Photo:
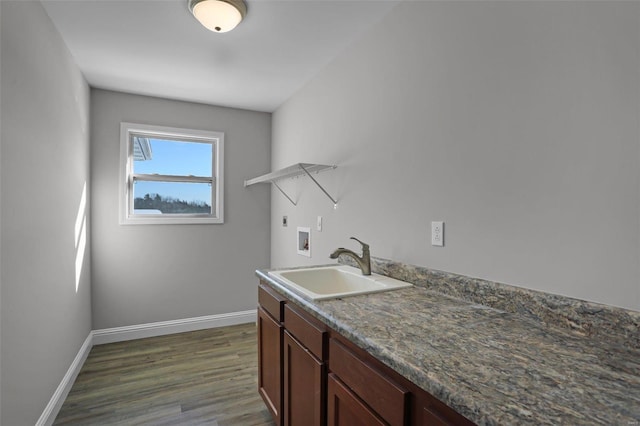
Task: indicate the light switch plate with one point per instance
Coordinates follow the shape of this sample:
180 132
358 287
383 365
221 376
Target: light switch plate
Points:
437 234
319 224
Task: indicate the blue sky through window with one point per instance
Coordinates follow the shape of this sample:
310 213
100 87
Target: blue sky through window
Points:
181 158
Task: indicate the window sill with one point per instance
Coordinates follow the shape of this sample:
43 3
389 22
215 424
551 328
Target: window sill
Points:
171 221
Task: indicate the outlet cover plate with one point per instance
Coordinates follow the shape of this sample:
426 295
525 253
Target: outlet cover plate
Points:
437 234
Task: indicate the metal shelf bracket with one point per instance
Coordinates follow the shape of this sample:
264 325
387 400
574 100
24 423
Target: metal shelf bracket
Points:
300 169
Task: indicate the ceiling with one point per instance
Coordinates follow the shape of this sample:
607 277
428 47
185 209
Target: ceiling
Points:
157 48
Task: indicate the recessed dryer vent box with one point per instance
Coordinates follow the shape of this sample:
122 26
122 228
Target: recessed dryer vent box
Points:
303 242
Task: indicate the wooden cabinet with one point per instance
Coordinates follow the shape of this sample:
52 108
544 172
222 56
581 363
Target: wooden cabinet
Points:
344 408
292 348
303 385
304 370
431 417
311 375
270 340
432 412
385 397
377 392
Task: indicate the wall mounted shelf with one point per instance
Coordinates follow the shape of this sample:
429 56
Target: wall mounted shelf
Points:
300 169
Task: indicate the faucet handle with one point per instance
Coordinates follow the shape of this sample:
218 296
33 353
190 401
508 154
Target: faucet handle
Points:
365 246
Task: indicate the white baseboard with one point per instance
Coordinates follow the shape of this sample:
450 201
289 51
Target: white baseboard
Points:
140 331
55 403
121 334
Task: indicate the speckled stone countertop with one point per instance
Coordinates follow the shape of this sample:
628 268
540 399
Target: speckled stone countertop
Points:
520 365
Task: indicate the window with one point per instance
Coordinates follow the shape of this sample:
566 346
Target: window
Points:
170 176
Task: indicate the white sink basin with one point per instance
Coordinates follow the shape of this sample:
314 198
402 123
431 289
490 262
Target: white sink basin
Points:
330 282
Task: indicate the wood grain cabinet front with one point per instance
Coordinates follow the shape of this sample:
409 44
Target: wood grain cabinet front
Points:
272 302
385 397
344 408
303 385
270 338
432 412
304 370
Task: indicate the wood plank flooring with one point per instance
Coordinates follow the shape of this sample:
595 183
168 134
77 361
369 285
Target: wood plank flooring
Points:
206 377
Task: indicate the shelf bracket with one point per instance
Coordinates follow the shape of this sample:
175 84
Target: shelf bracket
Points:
335 203
299 169
284 193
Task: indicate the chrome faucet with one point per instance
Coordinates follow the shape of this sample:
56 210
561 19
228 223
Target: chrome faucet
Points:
363 262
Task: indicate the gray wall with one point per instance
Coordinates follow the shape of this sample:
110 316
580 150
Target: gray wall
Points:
516 123
45 164
150 273
0 222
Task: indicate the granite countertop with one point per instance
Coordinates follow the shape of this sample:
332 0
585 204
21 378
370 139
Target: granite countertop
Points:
492 366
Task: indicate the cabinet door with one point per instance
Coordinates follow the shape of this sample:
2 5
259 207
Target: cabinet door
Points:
303 385
386 397
344 408
433 418
270 334
436 413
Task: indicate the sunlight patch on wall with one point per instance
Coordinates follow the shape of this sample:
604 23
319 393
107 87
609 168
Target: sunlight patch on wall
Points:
81 234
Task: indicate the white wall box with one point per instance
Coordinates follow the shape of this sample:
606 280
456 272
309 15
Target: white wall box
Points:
303 241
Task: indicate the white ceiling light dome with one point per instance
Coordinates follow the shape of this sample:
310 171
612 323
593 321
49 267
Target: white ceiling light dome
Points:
218 16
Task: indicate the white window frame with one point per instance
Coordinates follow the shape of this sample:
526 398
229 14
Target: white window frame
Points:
127 178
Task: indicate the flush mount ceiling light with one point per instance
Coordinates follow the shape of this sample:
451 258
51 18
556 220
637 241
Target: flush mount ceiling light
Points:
218 16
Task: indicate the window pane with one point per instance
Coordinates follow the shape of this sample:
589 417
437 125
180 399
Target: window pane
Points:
171 175
171 198
170 157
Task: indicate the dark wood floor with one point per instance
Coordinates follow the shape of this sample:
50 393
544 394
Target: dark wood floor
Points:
206 377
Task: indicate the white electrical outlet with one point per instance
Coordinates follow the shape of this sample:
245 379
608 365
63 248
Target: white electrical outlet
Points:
319 223
437 234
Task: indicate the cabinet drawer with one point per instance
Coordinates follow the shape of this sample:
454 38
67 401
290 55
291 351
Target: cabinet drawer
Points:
311 335
346 409
272 302
386 398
